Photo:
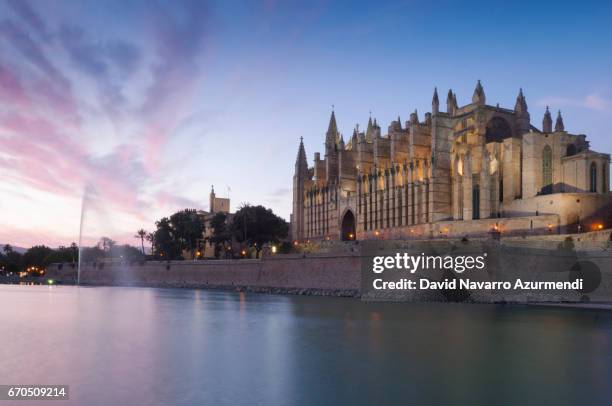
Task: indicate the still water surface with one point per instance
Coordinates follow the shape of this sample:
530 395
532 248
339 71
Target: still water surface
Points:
120 346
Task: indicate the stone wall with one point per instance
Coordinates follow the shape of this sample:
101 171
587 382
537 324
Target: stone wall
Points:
323 274
529 225
591 209
338 271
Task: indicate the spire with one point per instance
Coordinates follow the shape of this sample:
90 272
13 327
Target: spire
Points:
559 123
376 129
451 102
395 126
520 106
341 144
523 119
369 130
301 165
414 117
211 199
333 127
547 122
479 96
435 102
332 136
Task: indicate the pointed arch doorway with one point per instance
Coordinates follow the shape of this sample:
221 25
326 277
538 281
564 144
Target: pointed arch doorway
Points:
348 226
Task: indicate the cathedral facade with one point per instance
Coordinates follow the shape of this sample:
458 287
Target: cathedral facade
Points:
464 171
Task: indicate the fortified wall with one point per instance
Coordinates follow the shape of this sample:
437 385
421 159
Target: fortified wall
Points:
335 274
335 268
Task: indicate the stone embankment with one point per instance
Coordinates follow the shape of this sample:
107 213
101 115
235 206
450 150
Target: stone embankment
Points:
309 274
338 269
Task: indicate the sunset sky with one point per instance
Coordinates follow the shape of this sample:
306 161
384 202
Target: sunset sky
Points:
146 104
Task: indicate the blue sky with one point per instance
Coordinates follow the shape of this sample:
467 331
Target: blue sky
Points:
149 103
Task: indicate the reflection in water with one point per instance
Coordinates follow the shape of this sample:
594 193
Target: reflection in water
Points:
166 346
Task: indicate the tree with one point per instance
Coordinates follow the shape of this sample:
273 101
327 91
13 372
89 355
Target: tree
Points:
142 234
162 240
221 233
92 254
126 253
74 251
187 228
108 249
256 225
37 256
106 244
63 254
11 260
181 231
151 239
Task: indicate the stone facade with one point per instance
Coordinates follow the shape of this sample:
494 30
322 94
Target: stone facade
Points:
463 165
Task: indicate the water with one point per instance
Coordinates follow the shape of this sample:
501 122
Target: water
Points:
189 347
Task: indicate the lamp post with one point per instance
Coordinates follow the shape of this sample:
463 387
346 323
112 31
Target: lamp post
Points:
579 212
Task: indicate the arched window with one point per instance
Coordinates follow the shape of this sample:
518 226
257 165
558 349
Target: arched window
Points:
497 130
593 184
546 170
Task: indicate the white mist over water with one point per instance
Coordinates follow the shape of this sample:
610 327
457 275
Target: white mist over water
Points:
95 223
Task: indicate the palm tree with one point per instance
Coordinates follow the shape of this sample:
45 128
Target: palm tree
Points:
106 244
142 234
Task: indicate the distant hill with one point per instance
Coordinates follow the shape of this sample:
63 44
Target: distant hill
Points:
20 250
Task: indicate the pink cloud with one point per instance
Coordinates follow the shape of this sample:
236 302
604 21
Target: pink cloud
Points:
11 89
26 238
45 142
179 45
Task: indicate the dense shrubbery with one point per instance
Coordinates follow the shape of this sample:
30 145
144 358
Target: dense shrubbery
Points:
181 231
39 257
250 227
255 226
